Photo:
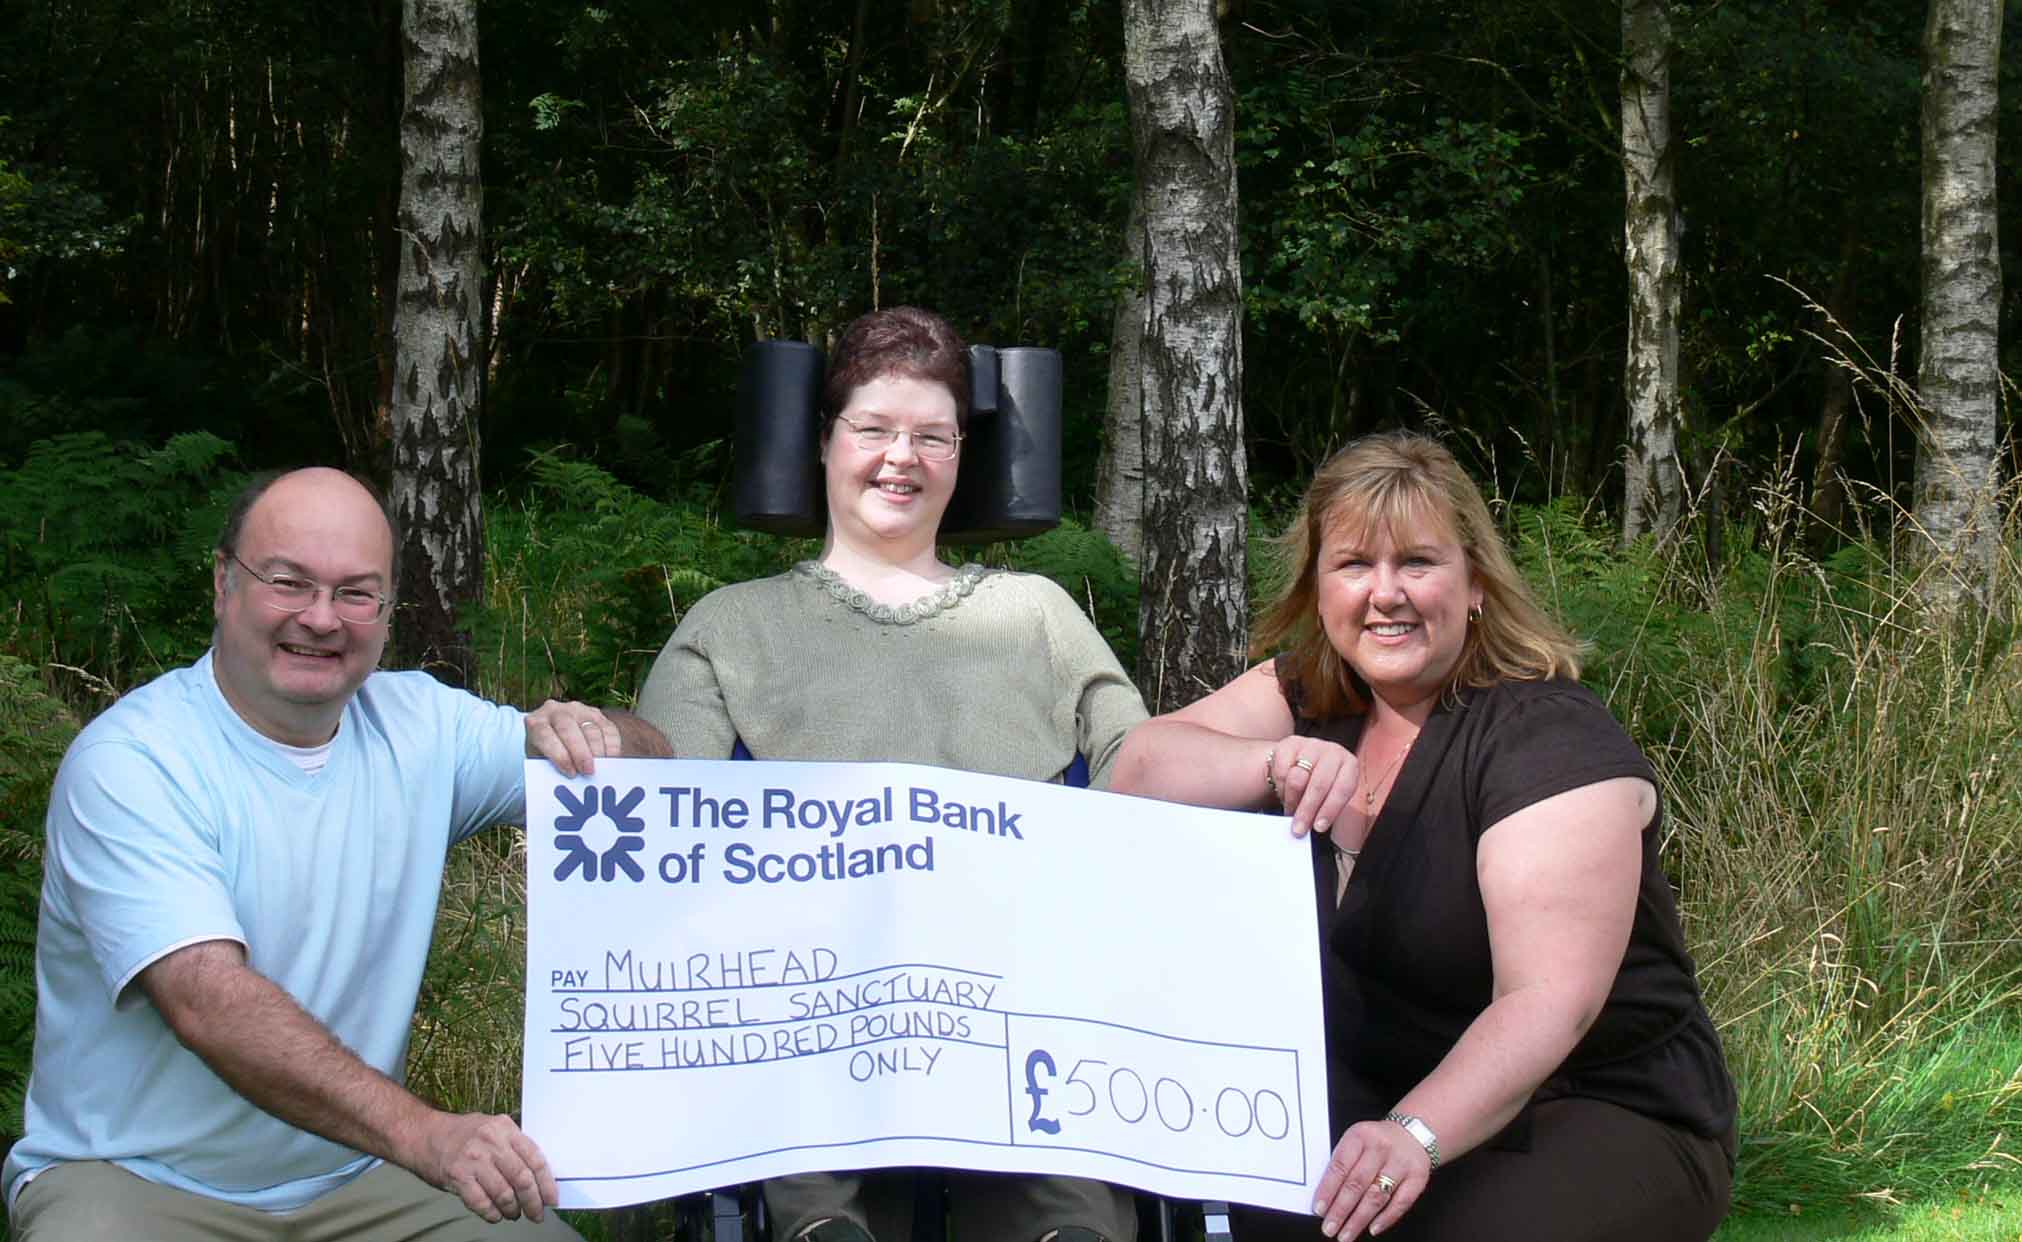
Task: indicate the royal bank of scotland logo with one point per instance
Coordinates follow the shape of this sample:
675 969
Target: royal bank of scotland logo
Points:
579 847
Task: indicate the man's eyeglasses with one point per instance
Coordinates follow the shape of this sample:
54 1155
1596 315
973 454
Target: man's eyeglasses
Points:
288 592
876 438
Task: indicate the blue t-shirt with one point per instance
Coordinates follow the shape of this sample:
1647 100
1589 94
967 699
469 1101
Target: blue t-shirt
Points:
172 822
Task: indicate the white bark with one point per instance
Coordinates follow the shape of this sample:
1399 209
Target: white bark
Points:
1194 609
436 334
1653 497
1957 369
1119 474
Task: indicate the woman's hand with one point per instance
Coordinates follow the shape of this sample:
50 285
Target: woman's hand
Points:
1313 780
1377 1172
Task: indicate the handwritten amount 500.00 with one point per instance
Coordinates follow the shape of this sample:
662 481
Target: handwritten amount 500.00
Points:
1168 1101
1086 1088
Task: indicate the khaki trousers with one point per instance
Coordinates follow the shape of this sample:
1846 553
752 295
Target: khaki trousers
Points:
93 1199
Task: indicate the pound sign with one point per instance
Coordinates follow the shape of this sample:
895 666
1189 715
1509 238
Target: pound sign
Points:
1038 1093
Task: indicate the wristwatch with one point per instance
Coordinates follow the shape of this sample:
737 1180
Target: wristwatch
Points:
1417 1129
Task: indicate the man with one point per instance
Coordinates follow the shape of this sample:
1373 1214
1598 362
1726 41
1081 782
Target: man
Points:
243 863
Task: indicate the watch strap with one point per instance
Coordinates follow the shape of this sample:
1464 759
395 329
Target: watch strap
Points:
1422 1133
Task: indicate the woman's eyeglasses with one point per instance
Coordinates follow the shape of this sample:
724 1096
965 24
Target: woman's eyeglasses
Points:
876 438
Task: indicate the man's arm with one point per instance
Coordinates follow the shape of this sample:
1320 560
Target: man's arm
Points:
274 1053
573 735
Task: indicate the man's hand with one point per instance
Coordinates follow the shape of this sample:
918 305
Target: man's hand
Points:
486 1161
277 1055
571 736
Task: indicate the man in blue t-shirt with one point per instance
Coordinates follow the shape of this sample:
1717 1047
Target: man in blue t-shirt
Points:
243 863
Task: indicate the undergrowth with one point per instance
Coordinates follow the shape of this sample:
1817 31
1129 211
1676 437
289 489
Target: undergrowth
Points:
1843 803
34 730
1838 764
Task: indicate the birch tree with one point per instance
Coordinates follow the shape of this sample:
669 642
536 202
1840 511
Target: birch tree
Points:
1957 367
1194 597
1119 473
437 362
1654 491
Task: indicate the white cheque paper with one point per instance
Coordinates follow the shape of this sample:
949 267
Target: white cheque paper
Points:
740 970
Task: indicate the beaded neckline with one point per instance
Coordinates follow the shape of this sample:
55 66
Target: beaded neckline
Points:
931 604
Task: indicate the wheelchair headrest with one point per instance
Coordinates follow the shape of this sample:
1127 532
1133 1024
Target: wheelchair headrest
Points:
1009 482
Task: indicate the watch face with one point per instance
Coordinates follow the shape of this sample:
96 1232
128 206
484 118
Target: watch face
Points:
1418 1130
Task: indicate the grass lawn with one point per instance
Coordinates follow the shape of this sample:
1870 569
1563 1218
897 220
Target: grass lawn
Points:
1991 1215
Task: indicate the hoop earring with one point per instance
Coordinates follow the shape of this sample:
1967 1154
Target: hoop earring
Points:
1474 615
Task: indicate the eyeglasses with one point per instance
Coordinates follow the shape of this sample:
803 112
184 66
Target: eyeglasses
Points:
287 592
876 438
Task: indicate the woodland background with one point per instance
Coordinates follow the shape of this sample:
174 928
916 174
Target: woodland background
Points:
199 248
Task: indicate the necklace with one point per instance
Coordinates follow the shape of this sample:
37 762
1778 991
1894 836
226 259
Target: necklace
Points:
1370 794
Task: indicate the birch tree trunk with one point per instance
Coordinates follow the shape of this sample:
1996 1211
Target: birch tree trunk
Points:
1654 492
1957 375
1119 473
1193 614
437 358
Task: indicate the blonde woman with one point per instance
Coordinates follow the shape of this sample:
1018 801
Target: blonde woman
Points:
1515 1034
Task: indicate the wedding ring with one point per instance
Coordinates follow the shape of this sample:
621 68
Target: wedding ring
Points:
1384 1184
1303 763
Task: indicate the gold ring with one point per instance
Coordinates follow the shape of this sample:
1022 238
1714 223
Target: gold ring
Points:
1303 763
1385 1183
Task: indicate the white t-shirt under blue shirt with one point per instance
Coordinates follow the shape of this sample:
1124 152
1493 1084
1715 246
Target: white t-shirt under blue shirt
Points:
172 822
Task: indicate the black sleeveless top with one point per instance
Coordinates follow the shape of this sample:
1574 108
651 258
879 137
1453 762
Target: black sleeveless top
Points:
1405 958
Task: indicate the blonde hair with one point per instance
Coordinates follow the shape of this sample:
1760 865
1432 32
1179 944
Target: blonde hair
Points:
1401 482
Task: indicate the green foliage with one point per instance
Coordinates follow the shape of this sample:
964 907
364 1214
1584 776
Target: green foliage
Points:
131 386
35 729
588 577
13 193
104 548
1370 207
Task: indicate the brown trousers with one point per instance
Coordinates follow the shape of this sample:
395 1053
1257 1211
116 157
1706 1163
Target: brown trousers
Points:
1594 1172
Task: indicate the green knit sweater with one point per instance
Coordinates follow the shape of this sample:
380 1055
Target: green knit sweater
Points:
996 672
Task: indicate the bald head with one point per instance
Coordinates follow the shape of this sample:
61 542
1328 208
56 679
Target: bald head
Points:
296 496
289 653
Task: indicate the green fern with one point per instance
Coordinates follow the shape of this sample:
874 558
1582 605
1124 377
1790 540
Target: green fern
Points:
35 729
588 577
103 551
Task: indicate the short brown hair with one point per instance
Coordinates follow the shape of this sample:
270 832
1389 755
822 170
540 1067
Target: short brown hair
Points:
1401 481
902 341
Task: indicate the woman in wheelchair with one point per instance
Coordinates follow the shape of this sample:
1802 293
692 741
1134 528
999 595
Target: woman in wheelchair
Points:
880 650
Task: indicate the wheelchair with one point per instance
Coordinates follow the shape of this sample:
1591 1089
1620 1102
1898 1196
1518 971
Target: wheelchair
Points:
1008 488
737 1214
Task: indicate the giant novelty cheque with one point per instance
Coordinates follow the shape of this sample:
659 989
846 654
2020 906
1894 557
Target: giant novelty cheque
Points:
740 970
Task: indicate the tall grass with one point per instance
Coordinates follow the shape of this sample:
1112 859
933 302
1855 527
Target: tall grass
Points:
1840 768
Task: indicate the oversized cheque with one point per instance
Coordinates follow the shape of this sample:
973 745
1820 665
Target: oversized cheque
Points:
738 970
